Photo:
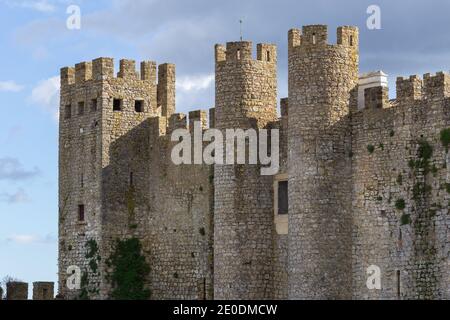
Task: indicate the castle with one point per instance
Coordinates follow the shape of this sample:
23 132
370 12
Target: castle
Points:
363 179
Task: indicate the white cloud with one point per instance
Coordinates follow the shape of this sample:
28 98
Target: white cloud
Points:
20 196
10 86
31 239
12 169
195 83
38 5
46 95
194 92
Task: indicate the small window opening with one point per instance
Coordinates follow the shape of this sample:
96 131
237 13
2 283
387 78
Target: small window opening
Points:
131 179
68 112
314 38
44 292
283 206
139 106
80 108
238 54
268 56
117 105
94 105
399 293
81 212
351 41
82 180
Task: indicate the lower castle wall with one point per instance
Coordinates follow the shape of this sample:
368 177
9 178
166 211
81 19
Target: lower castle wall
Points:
413 257
167 207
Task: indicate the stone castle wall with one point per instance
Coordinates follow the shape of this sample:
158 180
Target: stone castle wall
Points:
212 231
409 245
117 164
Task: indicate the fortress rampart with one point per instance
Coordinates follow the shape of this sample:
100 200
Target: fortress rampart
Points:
363 179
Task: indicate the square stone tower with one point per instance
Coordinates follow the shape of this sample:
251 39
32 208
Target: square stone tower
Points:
97 110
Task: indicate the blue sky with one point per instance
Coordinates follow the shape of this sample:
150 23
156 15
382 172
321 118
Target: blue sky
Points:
35 44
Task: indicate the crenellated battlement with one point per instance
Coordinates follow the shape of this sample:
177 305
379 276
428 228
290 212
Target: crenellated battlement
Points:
414 88
436 86
127 69
409 89
162 126
103 69
317 36
177 121
83 72
198 116
243 51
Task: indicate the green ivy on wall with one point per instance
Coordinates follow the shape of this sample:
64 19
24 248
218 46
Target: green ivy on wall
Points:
129 271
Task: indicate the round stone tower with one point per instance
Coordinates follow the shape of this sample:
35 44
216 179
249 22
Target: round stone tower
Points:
246 98
322 82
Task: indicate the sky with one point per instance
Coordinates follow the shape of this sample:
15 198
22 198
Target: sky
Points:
35 43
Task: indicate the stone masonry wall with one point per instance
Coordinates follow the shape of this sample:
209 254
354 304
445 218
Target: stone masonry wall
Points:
409 245
368 187
43 290
128 184
322 81
243 211
80 142
16 291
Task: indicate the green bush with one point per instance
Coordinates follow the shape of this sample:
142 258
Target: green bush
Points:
447 187
400 204
425 150
445 138
370 148
129 271
405 219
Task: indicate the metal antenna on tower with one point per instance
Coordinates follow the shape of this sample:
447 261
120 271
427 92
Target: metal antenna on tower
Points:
240 27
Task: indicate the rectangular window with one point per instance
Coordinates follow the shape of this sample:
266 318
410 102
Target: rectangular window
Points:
94 105
81 212
283 197
80 108
399 293
117 105
68 111
131 179
139 106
